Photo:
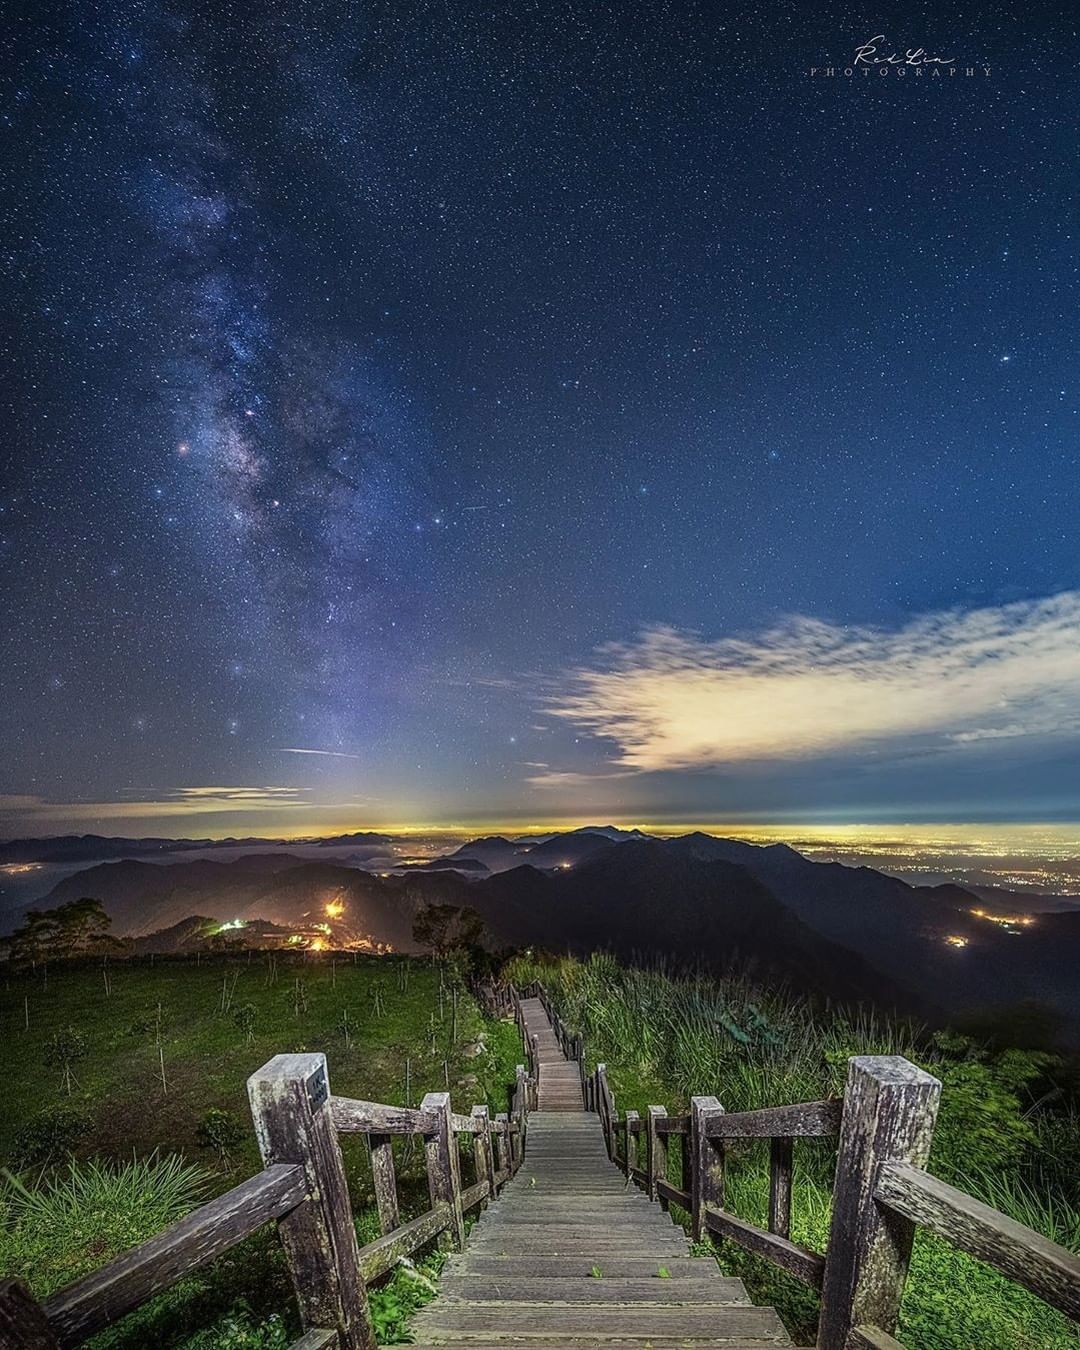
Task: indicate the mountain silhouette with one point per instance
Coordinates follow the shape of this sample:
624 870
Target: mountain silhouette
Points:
848 932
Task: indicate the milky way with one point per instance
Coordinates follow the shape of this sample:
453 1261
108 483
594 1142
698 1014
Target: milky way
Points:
377 364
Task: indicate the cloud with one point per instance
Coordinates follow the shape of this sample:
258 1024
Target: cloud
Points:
184 801
563 778
334 754
224 798
807 689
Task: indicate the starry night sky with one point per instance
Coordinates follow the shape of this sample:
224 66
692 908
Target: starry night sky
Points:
375 365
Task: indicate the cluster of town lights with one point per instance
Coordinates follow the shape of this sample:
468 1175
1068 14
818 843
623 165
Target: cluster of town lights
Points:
1005 920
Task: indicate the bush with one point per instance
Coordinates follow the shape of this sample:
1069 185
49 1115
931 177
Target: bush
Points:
81 1219
221 1131
49 1135
63 1050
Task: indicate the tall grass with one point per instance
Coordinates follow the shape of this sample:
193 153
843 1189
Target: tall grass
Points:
89 1213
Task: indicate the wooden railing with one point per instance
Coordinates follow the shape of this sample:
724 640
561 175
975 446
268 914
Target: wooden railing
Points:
303 1188
884 1125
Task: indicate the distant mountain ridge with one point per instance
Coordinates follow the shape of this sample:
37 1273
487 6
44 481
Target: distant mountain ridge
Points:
848 932
98 847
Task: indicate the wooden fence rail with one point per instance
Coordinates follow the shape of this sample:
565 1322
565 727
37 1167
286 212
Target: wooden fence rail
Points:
883 1125
303 1188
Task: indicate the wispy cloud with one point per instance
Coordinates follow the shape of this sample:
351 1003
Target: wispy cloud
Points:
333 754
805 688
183 801
225 797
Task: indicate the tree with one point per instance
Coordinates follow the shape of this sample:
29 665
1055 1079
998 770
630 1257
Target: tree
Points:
78 928
221 1131
443 929
244 1017
64 1049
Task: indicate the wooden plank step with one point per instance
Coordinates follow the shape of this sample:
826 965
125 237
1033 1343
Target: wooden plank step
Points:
533 1207
603 1210
641 1234
521 1225
595 1253
531 1321
629 1343
532 1239
548 1266
606 1290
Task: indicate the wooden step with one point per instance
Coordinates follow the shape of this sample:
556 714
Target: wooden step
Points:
443 1320
599 1343
603 1291
618 1265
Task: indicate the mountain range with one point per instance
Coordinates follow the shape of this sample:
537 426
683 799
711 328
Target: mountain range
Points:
95 847
844 932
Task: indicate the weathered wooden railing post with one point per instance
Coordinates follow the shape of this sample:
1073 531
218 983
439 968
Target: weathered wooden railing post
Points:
534 1063
706 1163
384 1180
502 1147
519 1106
890 1107
655 1150
485 1163
632 1118
444 1175
603 1105
289 1098
780 1155
23 1324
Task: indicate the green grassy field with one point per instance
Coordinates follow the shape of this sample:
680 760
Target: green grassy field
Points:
166 1043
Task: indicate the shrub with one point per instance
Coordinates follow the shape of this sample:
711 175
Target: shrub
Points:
50 1134
63 1050
221 1131
244 1017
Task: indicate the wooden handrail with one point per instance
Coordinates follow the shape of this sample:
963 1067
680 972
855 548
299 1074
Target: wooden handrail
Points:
356 1117
871 1338
807 1120
83 1308
377 1257
318 1338
807 1265
1047 1269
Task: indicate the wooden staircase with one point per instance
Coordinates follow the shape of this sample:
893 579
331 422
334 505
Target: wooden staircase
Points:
570 1256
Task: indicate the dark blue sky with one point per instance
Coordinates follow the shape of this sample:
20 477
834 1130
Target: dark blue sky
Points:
375 365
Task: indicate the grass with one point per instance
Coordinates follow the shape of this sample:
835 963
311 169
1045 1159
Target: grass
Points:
56 1232
160 1073
1005 1133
